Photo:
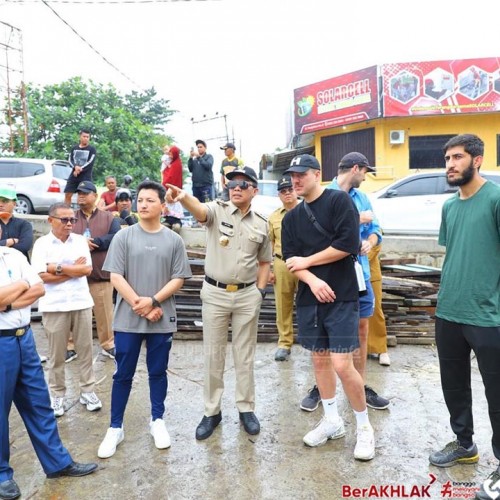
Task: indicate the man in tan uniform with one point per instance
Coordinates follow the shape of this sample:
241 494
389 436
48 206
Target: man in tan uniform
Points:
237 266
285 283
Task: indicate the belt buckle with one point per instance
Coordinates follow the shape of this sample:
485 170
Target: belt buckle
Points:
20 332
231 288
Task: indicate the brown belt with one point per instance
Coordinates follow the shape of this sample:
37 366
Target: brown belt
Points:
14 332
228 288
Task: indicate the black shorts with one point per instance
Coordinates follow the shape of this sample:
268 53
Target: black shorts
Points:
329 327
72 181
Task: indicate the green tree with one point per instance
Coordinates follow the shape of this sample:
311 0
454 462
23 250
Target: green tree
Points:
126 129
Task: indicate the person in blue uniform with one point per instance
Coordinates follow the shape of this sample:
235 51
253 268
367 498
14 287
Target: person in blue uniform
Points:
21 377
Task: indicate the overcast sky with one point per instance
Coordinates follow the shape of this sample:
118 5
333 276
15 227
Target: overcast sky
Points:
242 58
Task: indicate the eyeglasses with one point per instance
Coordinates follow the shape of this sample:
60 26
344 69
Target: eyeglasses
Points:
65 220
241 184
286 190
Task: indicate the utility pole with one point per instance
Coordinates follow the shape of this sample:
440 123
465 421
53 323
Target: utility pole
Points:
205 119
13 121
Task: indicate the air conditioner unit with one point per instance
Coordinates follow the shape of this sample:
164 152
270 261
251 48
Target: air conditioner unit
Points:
397 137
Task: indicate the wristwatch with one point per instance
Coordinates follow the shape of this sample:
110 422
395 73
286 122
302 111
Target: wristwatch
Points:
262 292
59 269
8 308
155 303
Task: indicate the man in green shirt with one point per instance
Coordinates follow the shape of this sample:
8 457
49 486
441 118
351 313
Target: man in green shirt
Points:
468 308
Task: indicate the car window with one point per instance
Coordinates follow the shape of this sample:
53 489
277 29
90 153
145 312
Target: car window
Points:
30 169
7 169
268 188
493 178
61 170
418 187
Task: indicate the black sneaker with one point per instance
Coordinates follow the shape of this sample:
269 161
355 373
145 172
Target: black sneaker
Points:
453 454
311 401
373 400
70 356
491 487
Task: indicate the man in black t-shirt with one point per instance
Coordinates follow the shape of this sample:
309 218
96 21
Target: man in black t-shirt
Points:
81 159
319 238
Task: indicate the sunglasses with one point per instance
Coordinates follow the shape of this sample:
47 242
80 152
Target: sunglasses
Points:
65 220
241 184
286 190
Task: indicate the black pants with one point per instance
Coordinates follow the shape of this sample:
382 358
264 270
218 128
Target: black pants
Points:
454 343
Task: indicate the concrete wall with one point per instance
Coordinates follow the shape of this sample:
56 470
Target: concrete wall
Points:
424 249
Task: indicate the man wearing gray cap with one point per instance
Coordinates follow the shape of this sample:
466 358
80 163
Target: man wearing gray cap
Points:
320 241
237 263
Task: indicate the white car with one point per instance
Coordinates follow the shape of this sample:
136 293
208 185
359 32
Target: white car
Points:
267 199
412 205
38 183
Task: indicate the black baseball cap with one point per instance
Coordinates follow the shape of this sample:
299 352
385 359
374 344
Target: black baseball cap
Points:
354 158
248 172
229 145
199 141
86 187
284 182
302 163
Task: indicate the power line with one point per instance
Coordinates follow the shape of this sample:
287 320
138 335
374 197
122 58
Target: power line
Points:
105 59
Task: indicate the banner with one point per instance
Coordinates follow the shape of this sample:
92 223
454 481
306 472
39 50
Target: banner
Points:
338 101
441 87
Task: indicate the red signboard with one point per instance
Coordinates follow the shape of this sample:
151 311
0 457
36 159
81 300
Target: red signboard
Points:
338 101
441 87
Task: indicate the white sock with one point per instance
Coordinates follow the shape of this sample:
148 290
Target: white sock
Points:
330 408
361 418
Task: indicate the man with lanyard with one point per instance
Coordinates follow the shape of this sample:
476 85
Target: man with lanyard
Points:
237 266
352 171
21 377
81 159
319 238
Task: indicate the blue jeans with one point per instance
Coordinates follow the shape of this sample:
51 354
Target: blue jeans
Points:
22 382
203 193
128 348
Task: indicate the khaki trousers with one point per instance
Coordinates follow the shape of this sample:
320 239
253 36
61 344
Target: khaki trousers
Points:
285 286
102 293
58 326
377 330
241 310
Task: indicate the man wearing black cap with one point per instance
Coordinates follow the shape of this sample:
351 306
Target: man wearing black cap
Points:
285 283
237 266
229 163
351 173
99 227
200 165
320 237
123 211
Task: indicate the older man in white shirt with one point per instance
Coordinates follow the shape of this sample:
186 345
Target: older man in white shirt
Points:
62 259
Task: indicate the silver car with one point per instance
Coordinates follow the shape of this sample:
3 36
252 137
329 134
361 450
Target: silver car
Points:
38 183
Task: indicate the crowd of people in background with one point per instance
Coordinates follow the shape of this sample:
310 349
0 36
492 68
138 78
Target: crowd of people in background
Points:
118 258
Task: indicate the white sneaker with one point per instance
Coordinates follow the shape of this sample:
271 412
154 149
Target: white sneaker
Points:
324 430
365 443
384 359
91 401
57 405
160 434
114 436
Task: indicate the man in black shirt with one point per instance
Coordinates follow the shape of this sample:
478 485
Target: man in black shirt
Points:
81 158
200 165
319 238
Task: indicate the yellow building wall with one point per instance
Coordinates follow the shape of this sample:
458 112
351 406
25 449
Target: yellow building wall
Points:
392 160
